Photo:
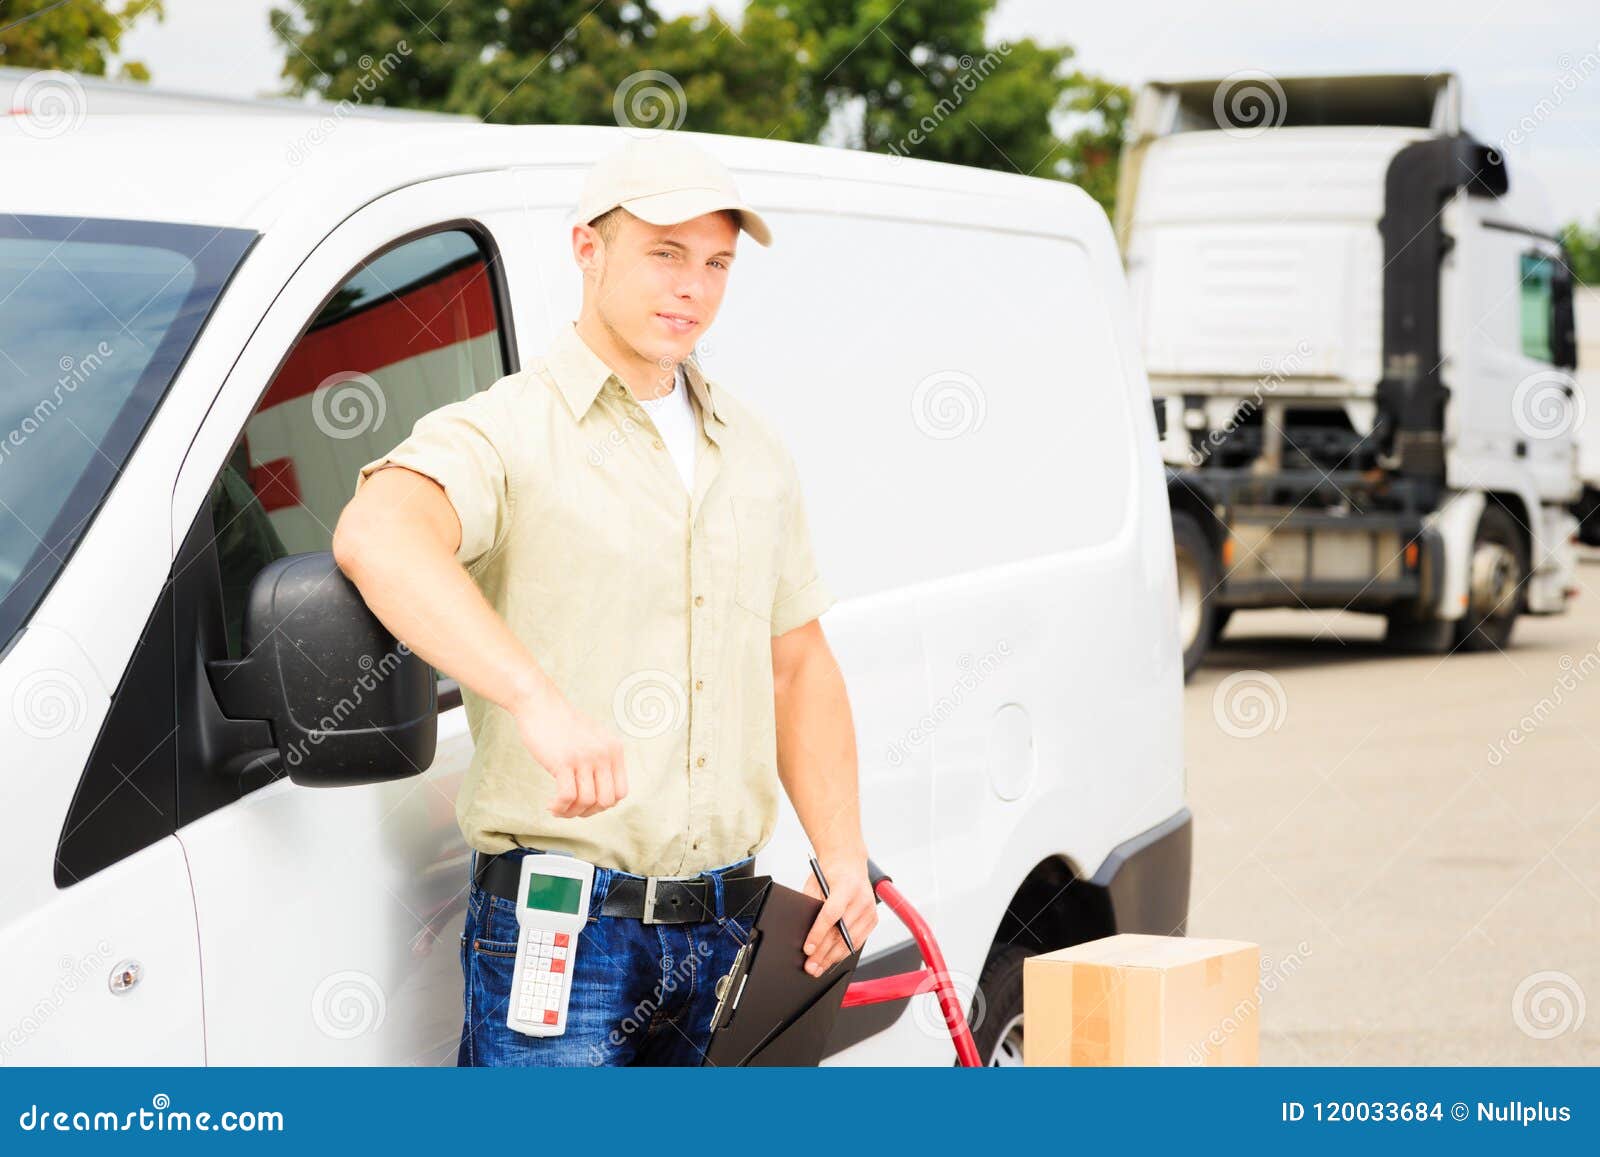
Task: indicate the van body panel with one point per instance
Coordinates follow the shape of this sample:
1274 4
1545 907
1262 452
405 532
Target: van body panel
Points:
981 474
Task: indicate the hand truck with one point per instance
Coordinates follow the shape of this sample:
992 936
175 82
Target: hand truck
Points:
932 977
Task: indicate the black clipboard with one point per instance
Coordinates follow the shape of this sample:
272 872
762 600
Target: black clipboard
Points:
774 1012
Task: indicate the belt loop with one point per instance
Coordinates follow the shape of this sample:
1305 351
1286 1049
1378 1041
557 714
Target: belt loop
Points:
716 888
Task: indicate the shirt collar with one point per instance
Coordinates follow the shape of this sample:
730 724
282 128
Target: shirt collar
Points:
581 374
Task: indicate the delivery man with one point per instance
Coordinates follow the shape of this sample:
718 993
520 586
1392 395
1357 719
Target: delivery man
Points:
609 551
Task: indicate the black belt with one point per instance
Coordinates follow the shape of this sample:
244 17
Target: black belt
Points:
652 899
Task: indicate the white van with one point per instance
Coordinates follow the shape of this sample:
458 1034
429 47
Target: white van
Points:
210 323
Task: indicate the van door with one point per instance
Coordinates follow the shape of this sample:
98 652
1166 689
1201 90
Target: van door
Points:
97 926
330 919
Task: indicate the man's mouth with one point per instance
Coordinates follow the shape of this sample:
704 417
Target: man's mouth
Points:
677 322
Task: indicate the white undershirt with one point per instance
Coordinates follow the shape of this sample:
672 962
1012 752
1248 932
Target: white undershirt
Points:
673 415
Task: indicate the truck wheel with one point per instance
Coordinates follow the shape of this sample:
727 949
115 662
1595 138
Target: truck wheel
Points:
999 1036
1495 583
1198 574
1587 510
1419 636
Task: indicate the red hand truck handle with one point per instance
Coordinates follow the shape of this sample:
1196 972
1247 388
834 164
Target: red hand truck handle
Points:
934 976
876 875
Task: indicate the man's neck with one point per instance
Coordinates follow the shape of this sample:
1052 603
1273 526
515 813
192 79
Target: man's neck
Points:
644 378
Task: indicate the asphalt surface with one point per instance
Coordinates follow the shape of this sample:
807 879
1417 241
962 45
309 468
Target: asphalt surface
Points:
1414 841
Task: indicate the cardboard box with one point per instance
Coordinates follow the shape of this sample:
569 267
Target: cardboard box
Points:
1143 1000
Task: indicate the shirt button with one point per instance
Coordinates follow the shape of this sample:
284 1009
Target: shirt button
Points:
699 683
698 599
658 444
701 762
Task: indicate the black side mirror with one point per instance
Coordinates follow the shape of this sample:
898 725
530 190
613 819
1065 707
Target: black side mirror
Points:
1563 327
346 702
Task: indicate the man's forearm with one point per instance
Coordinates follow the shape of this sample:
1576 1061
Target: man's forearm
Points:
817 755
425 597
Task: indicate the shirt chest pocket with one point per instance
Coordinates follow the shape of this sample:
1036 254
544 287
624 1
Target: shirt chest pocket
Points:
757 522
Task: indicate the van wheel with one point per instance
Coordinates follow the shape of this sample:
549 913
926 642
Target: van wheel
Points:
1198 573
1495 583
999 1036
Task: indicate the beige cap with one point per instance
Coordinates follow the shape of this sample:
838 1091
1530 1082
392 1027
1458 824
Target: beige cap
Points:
663 179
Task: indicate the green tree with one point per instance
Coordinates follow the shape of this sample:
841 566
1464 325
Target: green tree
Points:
81 36
911 77
548 62
917 78
1584 247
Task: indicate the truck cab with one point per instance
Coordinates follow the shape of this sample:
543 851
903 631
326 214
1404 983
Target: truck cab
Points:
1357 323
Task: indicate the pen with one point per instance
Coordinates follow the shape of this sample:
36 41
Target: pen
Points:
816 870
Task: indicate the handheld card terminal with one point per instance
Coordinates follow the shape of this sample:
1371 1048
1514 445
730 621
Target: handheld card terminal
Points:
552 908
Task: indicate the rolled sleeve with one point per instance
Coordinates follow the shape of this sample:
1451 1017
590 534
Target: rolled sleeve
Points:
801 594
457 445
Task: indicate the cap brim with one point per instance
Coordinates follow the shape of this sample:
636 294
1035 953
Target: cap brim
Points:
686 204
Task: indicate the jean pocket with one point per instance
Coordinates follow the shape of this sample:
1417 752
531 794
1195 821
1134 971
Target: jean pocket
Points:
755 525
498 931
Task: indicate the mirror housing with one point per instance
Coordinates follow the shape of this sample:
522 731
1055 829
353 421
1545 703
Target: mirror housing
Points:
347 703
1563 330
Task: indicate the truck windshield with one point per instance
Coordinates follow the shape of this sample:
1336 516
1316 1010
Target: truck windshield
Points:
96 317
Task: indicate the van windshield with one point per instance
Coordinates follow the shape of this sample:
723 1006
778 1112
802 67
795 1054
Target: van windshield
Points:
96 317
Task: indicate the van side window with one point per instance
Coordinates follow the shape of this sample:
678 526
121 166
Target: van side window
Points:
1538 298
414 328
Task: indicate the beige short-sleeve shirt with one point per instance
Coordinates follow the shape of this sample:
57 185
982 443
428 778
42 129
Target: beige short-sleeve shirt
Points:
652 609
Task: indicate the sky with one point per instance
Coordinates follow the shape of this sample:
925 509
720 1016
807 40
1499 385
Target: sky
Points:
1530 69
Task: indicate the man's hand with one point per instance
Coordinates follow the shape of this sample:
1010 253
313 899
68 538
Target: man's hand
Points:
585 760
850 897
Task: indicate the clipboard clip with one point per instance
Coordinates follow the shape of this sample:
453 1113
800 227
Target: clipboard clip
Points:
732 984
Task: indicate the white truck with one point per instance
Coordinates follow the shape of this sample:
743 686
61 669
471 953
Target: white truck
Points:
229 834
1357 326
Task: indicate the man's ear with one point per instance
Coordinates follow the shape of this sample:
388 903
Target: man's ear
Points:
588 249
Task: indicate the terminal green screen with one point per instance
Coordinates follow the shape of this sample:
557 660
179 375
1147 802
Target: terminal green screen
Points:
554 893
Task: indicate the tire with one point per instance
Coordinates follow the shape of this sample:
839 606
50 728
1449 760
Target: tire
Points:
1496 584
1198 574
998 1026
1419 636
1587 511
1220 623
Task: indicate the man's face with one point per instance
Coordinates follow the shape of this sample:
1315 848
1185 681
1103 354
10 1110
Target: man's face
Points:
661 285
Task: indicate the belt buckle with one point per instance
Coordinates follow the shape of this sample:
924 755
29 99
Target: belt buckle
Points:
646 917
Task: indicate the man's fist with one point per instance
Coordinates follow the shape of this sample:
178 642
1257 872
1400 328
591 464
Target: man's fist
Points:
584 759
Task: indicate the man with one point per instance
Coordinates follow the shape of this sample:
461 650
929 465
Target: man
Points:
610 553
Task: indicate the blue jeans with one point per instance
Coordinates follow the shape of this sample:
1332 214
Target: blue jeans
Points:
642 994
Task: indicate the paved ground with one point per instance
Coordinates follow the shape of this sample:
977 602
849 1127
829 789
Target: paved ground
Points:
1424 888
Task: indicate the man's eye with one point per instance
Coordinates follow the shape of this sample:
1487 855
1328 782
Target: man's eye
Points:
718 264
